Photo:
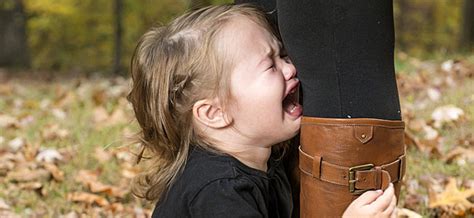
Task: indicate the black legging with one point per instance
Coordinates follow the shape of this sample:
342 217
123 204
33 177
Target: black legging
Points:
343 52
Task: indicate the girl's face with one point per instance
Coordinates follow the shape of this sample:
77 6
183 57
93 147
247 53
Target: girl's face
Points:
265 110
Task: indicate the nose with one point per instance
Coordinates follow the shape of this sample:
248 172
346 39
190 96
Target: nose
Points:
288 69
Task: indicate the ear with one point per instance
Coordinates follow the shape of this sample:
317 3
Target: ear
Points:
209 113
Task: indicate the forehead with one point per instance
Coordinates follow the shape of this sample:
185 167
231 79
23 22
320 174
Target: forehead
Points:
242 36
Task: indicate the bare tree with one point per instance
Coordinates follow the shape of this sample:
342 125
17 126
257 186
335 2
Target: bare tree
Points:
13 44
118 12
467 28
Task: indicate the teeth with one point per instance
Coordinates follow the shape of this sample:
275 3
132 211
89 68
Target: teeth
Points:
293 108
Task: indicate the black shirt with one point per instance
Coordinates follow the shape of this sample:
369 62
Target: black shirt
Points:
215 185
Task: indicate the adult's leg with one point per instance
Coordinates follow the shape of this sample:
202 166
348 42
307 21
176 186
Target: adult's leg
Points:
343 51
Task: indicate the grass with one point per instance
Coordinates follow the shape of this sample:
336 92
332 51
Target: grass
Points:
28 98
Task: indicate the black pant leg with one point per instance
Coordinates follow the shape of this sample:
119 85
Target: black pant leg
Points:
343 51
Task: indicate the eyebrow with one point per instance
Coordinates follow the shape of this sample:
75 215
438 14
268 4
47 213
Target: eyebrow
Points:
271 52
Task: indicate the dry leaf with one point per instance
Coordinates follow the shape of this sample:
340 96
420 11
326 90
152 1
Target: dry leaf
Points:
30 185
71 214
30 151
452 200
117 117
27 175
16 144
446 114
100 115
58 175
52 131
447 66
129 171
430 133
98 187
65 98
406 213
116 207
49 155
87 198
433 94
102 155
6 89
4 205
84 176
461 155
9 214
7 121
99 96
58 113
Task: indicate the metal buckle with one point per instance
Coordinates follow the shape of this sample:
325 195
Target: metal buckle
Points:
353 180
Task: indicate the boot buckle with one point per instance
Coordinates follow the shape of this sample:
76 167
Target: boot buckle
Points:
353 180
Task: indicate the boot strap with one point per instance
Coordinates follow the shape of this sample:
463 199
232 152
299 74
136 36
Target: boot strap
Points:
359 178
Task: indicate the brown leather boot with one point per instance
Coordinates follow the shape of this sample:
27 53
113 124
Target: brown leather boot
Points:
341 158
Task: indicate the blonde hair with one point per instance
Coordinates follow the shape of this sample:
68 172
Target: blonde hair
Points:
172 67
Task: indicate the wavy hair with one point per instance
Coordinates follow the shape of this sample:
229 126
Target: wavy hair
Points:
174 66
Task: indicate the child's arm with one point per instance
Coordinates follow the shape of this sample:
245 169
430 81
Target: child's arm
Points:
373 204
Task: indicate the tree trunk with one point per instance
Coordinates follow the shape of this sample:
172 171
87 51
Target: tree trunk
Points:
199 3
118 10
13 45
467 28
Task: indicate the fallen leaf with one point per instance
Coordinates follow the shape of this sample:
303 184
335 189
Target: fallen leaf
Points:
53 131
446 114
98 187
406 213
58 113
57 174
452 200
4 205
433 94
8 214
7 121
87 198
16 144
90 180
99 96
116 207
49 155
430 133
100 114
102 155
6 89
30 185
71 214
117 117
461 155
84 176
30 151
65 98
447 66
27 175
129 171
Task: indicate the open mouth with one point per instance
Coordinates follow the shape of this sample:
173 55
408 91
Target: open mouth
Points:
290 103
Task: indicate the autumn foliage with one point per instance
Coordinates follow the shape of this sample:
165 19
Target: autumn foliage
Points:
64 148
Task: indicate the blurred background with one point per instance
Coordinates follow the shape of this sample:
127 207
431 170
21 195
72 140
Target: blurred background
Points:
100 35
66 126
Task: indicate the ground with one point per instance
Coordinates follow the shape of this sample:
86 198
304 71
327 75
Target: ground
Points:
67 149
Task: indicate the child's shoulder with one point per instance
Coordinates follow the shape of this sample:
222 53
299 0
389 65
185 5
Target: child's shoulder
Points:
209 179
206 169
